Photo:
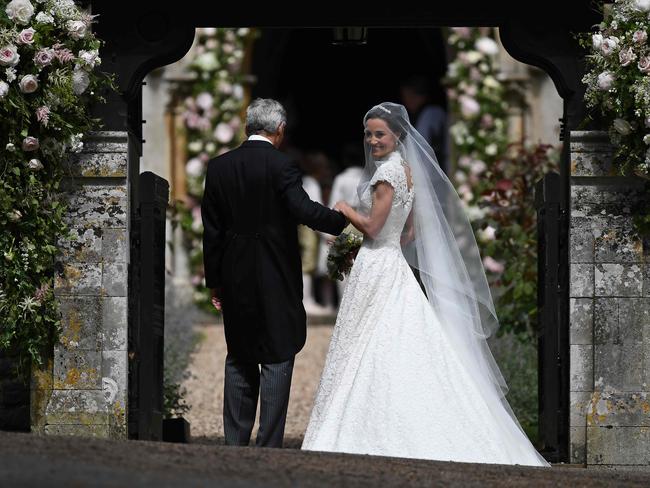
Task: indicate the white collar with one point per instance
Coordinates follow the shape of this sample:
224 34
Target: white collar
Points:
257 137
393 157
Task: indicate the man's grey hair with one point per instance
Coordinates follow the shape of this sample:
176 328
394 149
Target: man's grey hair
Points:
264 115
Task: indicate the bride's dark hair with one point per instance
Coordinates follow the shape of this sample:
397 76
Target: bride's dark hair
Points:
394 121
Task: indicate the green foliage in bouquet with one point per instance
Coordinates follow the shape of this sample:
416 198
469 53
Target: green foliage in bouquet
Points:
48 80
342 253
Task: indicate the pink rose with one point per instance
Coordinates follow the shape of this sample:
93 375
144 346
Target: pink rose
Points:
28 84
44 57
9 56
30 143
77 29
640 36
26 36
644 64
493 265
626 56
43 115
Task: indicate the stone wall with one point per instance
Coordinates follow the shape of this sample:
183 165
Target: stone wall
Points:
84 388
609 314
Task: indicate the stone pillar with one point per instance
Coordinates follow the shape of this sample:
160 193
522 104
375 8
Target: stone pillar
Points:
84 388
610 312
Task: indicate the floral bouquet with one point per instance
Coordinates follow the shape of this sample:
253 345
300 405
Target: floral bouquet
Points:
342 253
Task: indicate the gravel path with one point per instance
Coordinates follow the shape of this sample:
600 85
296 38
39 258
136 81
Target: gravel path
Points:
205 385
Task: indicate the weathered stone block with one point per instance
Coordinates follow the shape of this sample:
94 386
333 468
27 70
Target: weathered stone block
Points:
77 369
107 164
610 408
78 279
582 241
114 279
115 245
596 162
582 321
75 402
618 243
106 142
618 445
96 206
646 280
618 280
85 245
115 387
577 445
619 367
606 326
581 368
79 430
81 319
114 324
580 402
582 280
634 320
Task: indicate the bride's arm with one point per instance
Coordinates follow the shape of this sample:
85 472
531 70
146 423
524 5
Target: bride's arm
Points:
409 231
371 225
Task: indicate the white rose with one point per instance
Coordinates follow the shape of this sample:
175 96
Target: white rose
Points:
644 64
622 126
4 89
9 56
90 58
28 84
609 45
491 149
35 164
80 81
194 167
26 36
597 40
646 139
473 57
10 147
77 29
469 107
30 144
195 146
224 133
642 5
626 56
640 36
605 80
20 11
487 46
488 234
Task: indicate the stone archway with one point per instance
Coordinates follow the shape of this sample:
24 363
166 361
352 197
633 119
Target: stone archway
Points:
153 36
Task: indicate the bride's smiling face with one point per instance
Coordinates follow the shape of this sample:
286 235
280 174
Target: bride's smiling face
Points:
380 138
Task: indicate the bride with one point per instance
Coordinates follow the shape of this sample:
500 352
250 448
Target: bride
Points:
408 372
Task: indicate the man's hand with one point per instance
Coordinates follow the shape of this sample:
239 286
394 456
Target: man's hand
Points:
215 293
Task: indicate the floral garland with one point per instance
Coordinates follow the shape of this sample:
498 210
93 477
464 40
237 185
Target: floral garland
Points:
495 179
618 86
213 101
48 55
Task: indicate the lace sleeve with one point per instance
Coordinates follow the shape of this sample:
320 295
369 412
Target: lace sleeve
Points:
390 173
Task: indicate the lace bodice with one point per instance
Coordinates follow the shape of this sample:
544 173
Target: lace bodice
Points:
390 170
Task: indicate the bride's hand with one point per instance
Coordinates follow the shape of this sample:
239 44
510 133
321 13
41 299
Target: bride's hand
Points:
342 207
407 236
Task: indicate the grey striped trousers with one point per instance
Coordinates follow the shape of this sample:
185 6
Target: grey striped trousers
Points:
243 383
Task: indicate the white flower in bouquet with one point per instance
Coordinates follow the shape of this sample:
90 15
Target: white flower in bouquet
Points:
486 45
28 84
210 147
44 57
469 107
35 164
15 215
473 57
89 59
26 36
224 133
194 167
460 177
224 87
208 31
10 73
605 80
243 31
205 101
77 29
20 11
487 234
211 44
491 82
195 146
227 48
76 144
646 139
626 56
207 61
9 56
30 143
491 149
644 64
597 41
4 89
44 18
80 80
10 147
622 126
477 167
609 45
640 36
238 91
641 5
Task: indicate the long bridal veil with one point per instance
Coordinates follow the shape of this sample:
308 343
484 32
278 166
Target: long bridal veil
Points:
447 257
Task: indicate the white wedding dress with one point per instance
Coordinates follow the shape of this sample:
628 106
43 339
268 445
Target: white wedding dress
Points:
392 384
